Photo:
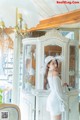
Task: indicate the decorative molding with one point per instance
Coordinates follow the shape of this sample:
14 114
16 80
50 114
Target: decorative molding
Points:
54 34
50 35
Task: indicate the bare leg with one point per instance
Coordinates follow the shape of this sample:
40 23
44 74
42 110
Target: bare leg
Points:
57 117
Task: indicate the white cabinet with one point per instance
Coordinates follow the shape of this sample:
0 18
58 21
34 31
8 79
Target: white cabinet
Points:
73 105
27 105
34 52
41 113
33 105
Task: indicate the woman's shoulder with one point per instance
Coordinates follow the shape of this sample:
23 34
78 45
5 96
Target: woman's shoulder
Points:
55 73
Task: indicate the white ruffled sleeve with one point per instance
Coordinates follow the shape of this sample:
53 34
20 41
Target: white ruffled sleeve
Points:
58 89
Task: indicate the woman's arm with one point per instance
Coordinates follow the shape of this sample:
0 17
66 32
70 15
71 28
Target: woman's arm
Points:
58 89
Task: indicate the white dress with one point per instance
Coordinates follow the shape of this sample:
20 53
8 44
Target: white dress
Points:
55 101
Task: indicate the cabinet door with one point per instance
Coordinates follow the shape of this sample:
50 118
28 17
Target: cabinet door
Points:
72 67
73 107
29 66
41 113
27 105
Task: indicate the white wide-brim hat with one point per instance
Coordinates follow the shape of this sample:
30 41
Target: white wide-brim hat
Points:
48 59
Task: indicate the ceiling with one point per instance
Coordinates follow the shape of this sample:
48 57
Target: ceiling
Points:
33 11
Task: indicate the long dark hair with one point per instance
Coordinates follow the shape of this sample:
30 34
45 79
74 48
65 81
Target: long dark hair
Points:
46 73
57 63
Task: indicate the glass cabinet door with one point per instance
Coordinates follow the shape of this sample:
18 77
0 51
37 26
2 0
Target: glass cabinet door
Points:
29 61
52 50
72 66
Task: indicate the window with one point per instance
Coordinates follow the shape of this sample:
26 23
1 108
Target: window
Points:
68 34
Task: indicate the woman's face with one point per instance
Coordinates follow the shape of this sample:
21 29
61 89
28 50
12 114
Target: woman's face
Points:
53 65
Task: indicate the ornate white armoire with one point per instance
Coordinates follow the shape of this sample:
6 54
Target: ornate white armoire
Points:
34 93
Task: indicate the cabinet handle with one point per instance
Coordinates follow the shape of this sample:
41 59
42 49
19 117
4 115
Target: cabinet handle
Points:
39 112
69 110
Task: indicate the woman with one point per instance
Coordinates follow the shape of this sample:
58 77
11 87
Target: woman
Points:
55 101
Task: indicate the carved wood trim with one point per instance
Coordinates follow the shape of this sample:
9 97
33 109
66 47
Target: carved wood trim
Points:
57 21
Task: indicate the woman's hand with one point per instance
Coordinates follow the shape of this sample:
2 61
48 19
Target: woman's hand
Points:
65 84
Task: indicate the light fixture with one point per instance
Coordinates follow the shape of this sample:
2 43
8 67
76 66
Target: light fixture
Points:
21 26
2 24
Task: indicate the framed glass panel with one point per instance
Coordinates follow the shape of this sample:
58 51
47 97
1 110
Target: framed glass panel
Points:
52 50
72 66
29 66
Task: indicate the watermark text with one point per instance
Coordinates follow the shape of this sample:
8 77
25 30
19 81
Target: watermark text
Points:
67 2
